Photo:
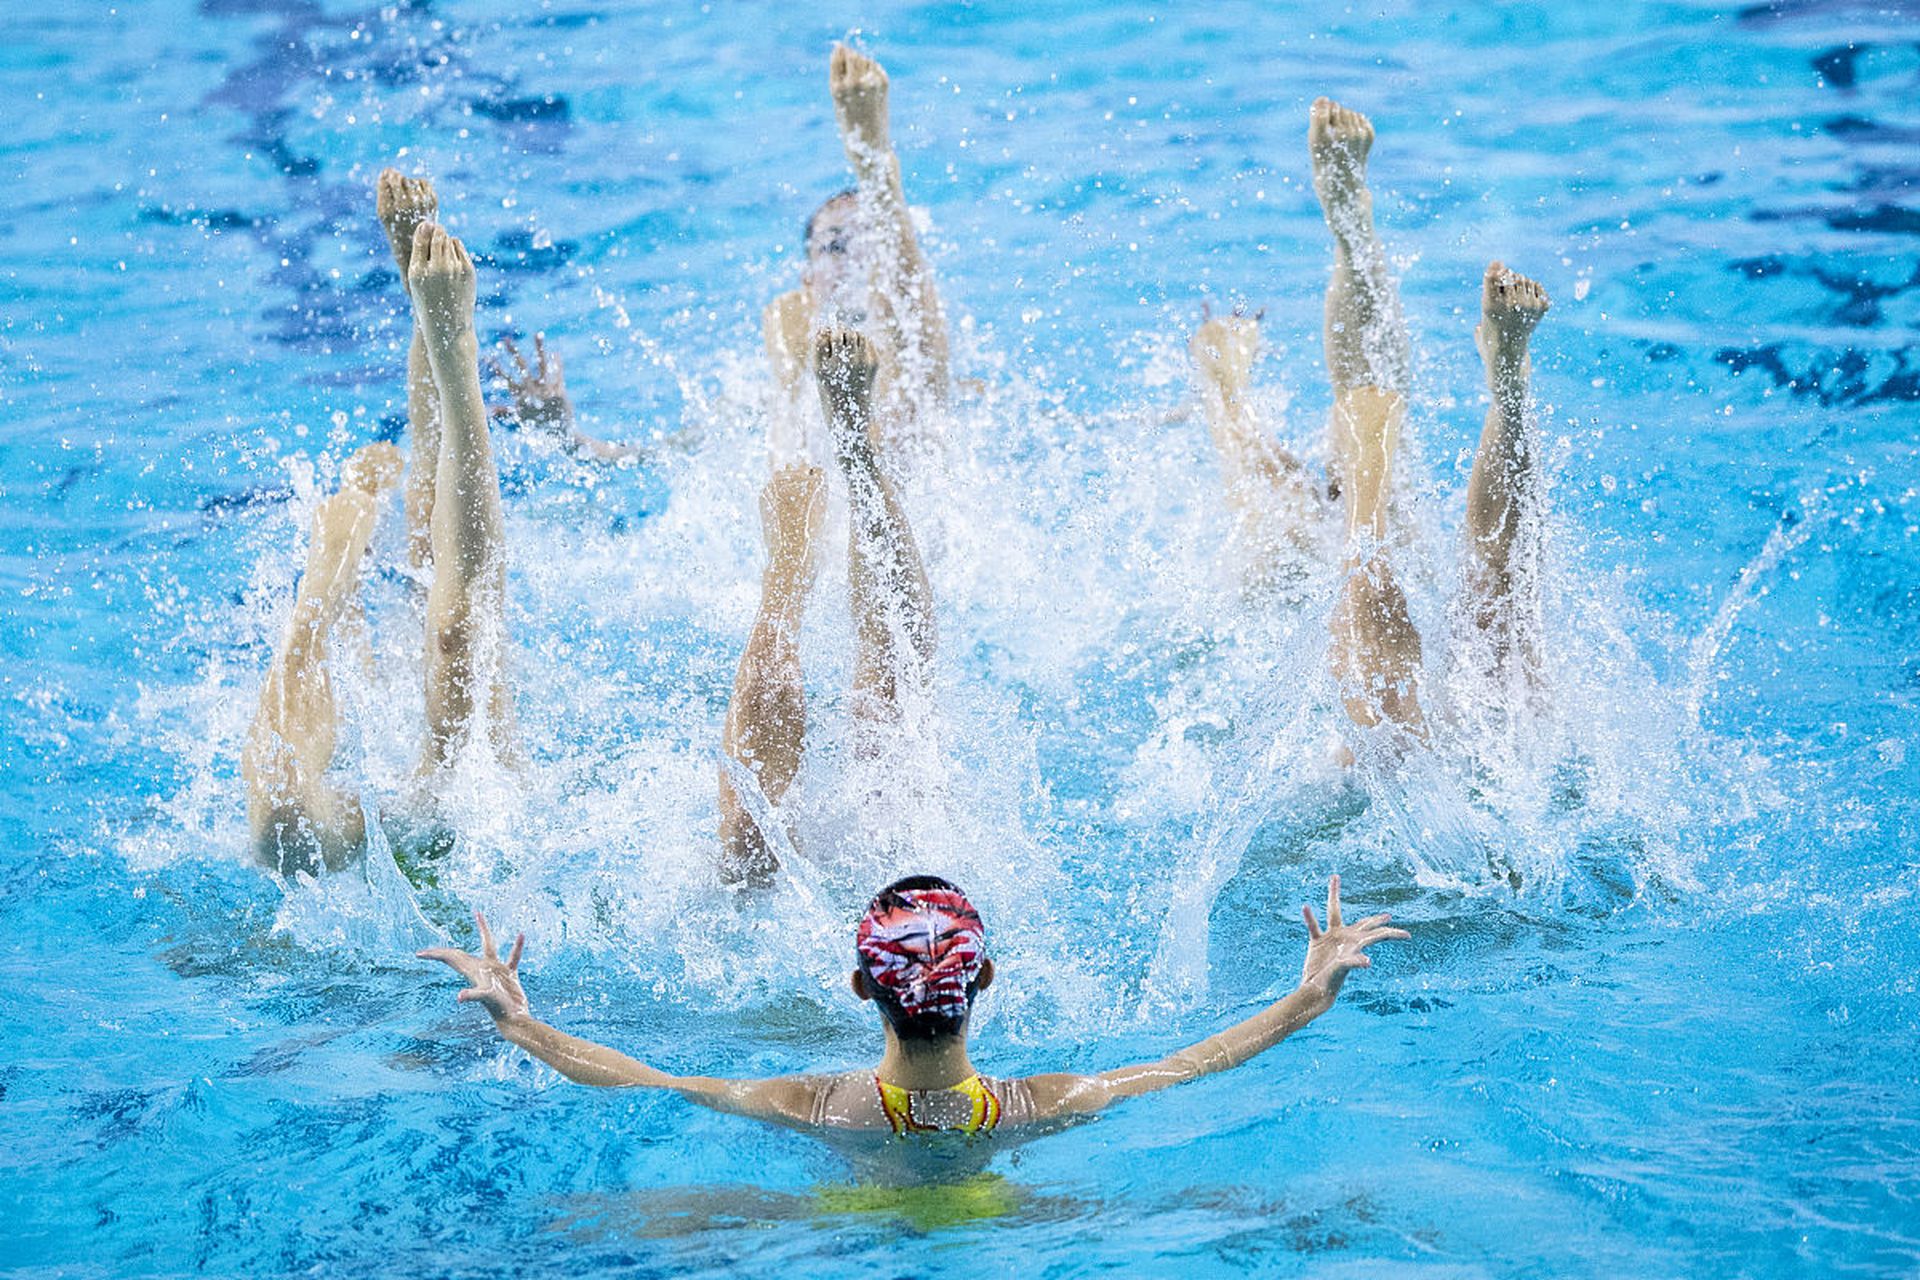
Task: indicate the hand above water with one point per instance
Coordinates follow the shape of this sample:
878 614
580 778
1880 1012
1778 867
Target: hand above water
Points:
493 984
1340 948
539 390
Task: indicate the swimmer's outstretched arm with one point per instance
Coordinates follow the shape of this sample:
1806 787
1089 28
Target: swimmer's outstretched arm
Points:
1332 954
494 985
859 87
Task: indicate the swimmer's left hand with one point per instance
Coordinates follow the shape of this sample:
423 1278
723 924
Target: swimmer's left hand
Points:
1340 948
494 984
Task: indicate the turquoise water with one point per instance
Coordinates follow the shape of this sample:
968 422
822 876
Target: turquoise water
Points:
1684 1044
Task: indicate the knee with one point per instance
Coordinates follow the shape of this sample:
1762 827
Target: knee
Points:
450 637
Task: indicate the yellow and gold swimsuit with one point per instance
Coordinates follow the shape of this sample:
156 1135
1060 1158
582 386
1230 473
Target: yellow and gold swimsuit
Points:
898 1104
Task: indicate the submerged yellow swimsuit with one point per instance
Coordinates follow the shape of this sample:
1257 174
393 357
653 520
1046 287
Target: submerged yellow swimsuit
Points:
898 1104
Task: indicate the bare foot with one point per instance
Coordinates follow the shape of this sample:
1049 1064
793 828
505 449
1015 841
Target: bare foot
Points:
844 363
372 469
403 205
440 278
1339 140
1224 349
859 88
1510 306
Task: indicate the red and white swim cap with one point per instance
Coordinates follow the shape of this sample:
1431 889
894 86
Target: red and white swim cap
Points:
925 947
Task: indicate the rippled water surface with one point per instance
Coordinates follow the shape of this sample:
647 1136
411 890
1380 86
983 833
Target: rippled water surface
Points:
1659 1013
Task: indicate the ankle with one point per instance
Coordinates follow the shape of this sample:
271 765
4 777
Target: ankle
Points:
1509 369
1350 216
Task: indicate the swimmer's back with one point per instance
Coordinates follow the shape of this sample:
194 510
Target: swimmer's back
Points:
857 1101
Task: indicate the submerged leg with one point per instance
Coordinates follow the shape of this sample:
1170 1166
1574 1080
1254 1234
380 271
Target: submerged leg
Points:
404 205
1366 334
1501 550
466 621
1375 654
1269 490
767 719
300 822
892 603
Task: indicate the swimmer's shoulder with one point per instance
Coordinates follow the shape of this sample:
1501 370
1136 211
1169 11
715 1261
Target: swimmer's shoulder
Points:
848 1100
1015 1098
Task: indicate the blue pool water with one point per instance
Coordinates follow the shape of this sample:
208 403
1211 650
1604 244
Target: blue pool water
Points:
1686 1043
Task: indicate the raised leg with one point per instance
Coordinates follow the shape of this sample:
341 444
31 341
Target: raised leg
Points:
299 821
1375 654
1269 490
404 205
892 603
1366 334
905 300
466 621
767 719
783 327
1501 536
784 324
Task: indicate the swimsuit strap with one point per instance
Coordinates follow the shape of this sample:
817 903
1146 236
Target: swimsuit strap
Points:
897 1103
986 1107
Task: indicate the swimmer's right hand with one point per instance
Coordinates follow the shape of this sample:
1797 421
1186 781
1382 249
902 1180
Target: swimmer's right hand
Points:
493 984
1340 948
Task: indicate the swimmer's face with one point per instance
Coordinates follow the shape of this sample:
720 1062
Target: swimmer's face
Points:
836 263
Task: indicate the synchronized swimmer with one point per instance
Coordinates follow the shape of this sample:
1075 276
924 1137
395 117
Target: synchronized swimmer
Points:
1375 654
867 328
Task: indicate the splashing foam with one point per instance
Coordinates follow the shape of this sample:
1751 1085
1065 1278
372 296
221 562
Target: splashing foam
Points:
1092 606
